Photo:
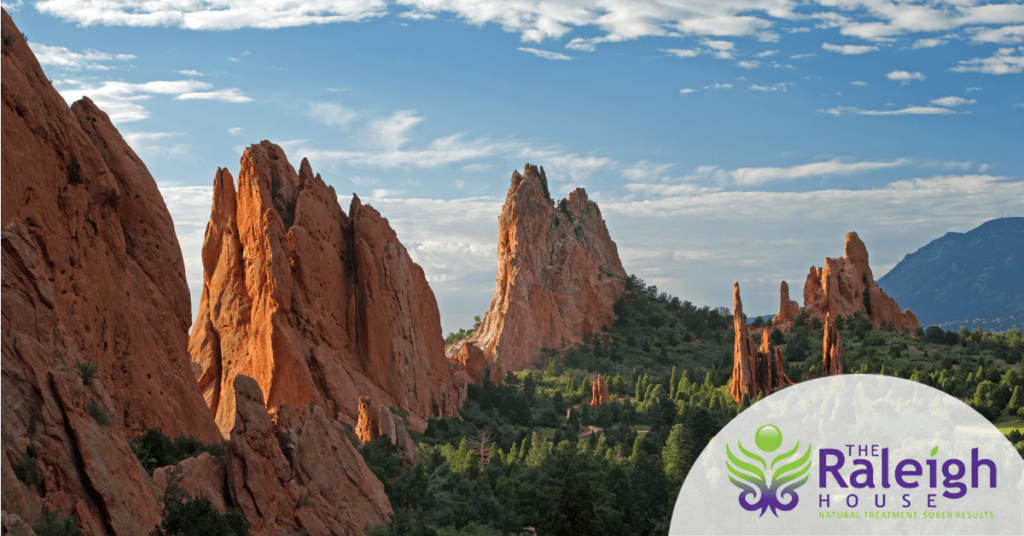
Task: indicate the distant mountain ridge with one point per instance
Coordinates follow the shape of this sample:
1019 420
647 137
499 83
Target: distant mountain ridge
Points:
962 275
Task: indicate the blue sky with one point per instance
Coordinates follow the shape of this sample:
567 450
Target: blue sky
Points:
725 140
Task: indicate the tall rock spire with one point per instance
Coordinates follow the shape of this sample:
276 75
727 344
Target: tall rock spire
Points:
754 371
558 273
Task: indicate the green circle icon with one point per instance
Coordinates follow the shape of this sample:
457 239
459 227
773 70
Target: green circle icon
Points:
768 438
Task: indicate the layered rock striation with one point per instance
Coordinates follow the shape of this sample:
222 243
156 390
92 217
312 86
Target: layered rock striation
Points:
314 304
755 371
93 280
845 286
558 273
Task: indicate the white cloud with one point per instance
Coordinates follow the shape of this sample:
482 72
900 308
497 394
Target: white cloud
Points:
548 55
211 14
682 52
235 131
686 90
120 100
766 53
565 167
1006 35
780 86
910 110
330 114
580 43
952 102
801 29
849 50
722 49
802 56
748 64
644 170
417 15
154 144
904 77
1005 61
976 88
190 72
928 43
66 59
392 132
858 83
754 176
719 86
224 95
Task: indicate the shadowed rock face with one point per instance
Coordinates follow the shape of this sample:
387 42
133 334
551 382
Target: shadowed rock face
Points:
314 304
754 371
558 274
832 350
93 274
845 286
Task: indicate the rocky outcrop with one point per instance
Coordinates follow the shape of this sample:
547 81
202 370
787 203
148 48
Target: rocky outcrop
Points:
474 362
376 422
788 309
202 477
558 273
599 392
845 286
832 350
316 305
92 276
754 371
301 473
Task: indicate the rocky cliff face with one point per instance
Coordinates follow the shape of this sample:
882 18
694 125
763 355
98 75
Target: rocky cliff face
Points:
92 275
474 362
316 305
558 273
754 370
845 286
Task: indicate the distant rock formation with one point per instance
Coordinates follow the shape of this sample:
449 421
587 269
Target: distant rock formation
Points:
754 371
300 472
93 276
474 362
599 392
788 309
844 287
376 422
832 350
315 305
558 273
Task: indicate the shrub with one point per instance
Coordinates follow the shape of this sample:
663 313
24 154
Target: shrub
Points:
87 371
53 524
25 470
8 40
98 412
186 516
154 450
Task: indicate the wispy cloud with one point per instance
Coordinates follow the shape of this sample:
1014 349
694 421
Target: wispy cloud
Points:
392 132
155 144
910 110
1004 61
718 86
686 90
748 64
235 131
190 72
1005 35
754 176
64 58
928 42
121 99
546 54
330 114
858 83
722 50
952 102
777 87
904 77
766 53
849 50
682 52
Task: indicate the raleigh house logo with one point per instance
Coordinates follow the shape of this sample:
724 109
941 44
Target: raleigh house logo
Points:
788 471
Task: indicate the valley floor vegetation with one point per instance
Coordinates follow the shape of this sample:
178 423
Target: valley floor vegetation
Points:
532 455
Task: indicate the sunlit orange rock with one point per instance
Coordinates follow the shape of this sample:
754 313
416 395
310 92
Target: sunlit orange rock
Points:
314 304
754 371
558 274
92 274
845 286
788 309
474 362
599 392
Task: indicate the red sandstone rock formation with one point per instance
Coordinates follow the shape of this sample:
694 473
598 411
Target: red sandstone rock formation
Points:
558 273
599 392
376 422
845 286
474 362
753 371
315 305
788 309
93 274
832 364
301 472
